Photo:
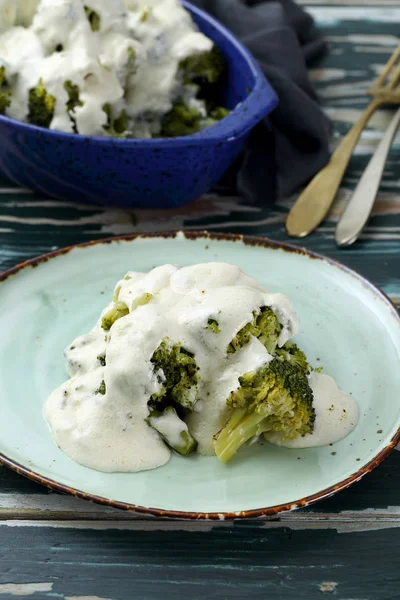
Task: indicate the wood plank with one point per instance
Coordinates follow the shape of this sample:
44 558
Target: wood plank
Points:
243 560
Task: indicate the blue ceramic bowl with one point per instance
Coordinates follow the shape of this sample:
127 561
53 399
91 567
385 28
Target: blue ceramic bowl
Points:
143 173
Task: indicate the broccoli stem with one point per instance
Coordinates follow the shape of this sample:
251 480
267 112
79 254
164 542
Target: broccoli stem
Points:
240 428
5 96
3 77
141 301
5 101
116 126
93 18
173 430
73 95
116 312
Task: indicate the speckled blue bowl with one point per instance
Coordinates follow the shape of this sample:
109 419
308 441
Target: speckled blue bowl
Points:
143 173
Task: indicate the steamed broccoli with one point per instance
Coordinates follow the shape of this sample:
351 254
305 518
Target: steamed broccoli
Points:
215 115
276 397
184 120
292 353
181 120
73 101
141 300
116 126
131 66
73 95
5 101
119 310
264 326
3 77
41 106
213 325
173 430
179 375
93 18
146 14
203 68
102 388
5 96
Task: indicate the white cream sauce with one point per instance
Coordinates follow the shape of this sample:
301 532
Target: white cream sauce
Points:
159 32
336 415
171 427
107 431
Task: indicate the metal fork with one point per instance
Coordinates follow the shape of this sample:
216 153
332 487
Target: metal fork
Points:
314 203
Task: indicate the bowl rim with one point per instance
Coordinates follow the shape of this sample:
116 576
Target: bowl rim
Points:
258 513
260 102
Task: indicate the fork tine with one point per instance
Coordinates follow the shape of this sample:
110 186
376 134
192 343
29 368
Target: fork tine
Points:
392 61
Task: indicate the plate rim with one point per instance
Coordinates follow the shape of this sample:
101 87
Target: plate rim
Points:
248 240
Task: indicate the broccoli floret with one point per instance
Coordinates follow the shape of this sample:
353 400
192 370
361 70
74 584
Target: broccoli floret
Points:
73 101
219 113
73 95
173 430
116 126
292 353
184 120
203 68
180 375
119 310
145 15
41 106
3 77
102 359
214 117
276 397
5 101
93 18
5 96
181 120
213 325
101 389
131 61
265 327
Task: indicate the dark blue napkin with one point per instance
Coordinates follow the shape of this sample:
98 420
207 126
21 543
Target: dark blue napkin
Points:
291 145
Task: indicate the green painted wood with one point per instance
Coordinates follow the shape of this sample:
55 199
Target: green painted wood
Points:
244 560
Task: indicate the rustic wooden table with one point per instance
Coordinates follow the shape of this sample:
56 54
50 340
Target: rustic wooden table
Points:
347 547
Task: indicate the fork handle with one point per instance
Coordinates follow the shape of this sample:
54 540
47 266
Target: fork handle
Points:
314 203
360 205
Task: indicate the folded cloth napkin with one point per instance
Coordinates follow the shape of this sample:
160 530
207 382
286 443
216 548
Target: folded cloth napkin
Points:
291 145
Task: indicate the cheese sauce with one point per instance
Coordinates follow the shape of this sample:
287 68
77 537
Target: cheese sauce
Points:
98 416
131 63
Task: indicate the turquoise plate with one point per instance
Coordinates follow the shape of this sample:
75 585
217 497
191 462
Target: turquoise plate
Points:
346 323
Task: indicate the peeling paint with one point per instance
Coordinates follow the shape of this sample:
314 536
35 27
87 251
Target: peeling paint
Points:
341 523
85 598
328 587
134 525
24 589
